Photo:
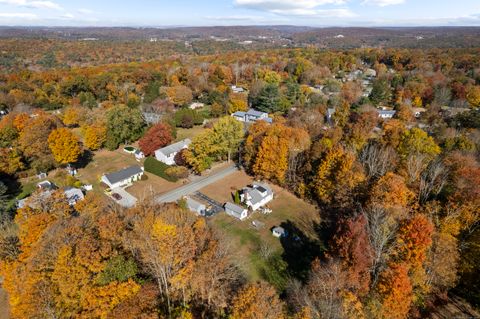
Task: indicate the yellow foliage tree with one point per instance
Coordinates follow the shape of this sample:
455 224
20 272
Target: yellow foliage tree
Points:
64 146
95 136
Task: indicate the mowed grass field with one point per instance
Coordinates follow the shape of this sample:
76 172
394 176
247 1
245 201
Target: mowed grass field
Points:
257 253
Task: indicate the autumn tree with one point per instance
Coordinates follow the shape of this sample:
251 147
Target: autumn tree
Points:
33 141
95 136
10 161
395 290
351 244
417 141
258 300
156 137
124 125
64 146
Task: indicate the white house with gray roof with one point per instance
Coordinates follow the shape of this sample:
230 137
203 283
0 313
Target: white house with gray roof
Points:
236 211
252 116
256 196
386 114
167 154
123 177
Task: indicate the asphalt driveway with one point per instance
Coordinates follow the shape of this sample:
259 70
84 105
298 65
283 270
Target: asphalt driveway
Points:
127 199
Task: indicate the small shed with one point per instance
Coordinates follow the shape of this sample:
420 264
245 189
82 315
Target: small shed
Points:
279 232
195 206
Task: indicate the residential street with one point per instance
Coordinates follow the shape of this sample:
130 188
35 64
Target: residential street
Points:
176 194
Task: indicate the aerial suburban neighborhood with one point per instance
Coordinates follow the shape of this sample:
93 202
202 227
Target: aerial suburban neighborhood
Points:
239 171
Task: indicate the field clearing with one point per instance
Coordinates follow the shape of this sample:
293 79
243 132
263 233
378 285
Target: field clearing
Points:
249 243
183 133
103 162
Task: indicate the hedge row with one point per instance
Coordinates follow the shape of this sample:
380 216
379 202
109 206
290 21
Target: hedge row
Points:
158 168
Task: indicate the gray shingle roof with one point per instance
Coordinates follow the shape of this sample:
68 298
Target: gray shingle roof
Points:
123 174
234 208
174 148
256 113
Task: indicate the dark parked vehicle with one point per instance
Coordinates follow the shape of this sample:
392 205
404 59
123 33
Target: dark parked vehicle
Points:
116 196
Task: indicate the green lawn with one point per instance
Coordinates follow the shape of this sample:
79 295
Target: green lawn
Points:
260 255
183 133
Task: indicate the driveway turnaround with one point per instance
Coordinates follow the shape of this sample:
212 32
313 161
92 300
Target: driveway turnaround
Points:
127 200
178 193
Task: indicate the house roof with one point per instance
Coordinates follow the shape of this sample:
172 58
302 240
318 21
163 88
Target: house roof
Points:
255 113
239 114
383 112
123 174
174 148
256 192
73 193
234 208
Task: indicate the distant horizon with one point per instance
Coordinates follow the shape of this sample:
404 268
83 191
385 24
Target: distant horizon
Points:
189 13
245 26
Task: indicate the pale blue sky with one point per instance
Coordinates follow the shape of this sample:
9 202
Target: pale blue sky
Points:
239 12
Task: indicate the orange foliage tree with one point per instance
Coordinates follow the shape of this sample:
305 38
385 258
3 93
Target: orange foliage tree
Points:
64 146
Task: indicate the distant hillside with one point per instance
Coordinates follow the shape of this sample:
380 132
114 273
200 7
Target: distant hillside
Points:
421 37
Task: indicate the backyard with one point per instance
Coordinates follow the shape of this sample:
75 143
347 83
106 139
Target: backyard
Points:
257 252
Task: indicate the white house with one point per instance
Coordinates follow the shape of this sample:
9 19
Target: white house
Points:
196 105
252 116
237 89
236 211
256 196
386 115
167 154
123 177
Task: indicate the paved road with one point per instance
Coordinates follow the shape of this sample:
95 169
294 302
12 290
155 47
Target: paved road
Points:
177 193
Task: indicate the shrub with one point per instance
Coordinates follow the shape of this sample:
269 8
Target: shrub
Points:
177 172
158 168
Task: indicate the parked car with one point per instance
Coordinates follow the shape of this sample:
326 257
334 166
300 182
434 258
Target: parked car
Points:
117 196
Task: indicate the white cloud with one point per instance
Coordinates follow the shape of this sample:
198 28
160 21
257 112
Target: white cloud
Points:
306 8
36 4
29 16
383 3
85 11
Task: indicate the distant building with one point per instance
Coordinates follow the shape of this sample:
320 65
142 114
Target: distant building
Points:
46 186
167 154
386 115
196 105
237 89
330 112
417 111
195 206
38 199
252 116
151 118
256 196
236 211
370 73
123 177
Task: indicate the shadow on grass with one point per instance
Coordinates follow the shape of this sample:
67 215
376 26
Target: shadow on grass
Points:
300 250
84 159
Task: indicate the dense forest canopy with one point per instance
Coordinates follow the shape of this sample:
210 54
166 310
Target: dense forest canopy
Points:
398 199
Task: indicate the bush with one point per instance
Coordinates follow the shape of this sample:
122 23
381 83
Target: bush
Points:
177 172
158 168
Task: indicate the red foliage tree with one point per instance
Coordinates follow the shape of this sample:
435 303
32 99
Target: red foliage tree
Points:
352 245
414 240
156 137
